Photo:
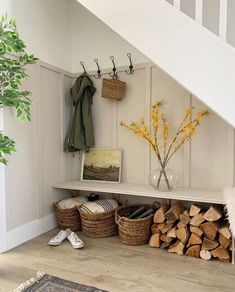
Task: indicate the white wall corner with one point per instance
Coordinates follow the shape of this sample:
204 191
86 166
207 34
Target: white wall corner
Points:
27 232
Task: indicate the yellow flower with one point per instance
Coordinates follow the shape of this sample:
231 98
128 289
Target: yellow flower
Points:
142 121
185 132
165 127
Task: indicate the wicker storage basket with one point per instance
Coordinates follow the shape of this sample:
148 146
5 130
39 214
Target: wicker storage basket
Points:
133 231
113 89
68 218
99 224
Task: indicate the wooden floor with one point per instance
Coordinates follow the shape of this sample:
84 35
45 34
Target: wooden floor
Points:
107 264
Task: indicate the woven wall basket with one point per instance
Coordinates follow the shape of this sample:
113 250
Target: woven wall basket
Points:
113 89
68 218
99 224
133 231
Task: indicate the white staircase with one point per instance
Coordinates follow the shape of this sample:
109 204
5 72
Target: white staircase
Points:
199 60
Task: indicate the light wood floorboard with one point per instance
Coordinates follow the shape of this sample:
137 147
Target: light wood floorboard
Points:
108 264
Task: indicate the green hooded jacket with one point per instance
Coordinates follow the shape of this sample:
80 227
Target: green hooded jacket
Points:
81 134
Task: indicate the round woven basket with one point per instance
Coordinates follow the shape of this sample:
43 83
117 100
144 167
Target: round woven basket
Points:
68 218
133 231
99 224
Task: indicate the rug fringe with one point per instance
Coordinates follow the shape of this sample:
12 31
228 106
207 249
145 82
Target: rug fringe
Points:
30 282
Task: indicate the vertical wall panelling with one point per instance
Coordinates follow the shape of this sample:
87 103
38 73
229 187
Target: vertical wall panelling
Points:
223 19
103 115
39 161
175 97
209 157
115 123
198 11
22 168
2 196
37 136
230 153
148 99
131 108
187 151
51 138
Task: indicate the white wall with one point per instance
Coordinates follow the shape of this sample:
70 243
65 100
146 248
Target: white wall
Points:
91 39
40 160
45 27
63 32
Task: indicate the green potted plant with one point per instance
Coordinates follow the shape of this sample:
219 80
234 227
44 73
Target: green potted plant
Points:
13 59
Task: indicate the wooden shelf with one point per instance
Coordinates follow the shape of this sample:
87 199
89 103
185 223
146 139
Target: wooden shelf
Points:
184 194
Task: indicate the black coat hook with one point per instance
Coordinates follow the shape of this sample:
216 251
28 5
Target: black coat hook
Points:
114 74
98 76
131 67
82 64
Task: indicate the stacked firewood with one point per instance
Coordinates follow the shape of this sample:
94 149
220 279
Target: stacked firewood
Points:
194 232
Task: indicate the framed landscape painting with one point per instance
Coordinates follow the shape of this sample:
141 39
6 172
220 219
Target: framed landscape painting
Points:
102 165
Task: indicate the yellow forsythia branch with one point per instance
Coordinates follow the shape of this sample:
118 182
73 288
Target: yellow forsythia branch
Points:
160 125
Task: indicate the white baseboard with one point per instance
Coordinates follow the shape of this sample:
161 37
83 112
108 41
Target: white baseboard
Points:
27 232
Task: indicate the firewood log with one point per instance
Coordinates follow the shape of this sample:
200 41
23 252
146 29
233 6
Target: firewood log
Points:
155 240
194 210
197 219
224 229
209 244
196 230
194 251
165 244
177 247
180 225
194 240
224 241
205 255
154 229
174 212
171 232
159 216
210 229
184 219
182 234
221 253
163 227
214 213
166 238
186 212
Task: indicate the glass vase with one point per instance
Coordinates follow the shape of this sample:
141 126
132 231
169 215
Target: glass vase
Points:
164 179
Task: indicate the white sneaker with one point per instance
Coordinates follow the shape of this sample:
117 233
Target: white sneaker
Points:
59 238
75 241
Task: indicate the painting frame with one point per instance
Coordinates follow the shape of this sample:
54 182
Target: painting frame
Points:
86 153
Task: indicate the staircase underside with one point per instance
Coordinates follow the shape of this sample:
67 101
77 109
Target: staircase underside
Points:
194 57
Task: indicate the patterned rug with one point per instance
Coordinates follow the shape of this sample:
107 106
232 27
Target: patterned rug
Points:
47 283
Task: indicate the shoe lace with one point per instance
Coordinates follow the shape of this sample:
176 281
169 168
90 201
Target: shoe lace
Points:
59 235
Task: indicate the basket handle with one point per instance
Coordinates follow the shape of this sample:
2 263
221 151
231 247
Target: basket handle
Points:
118 220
